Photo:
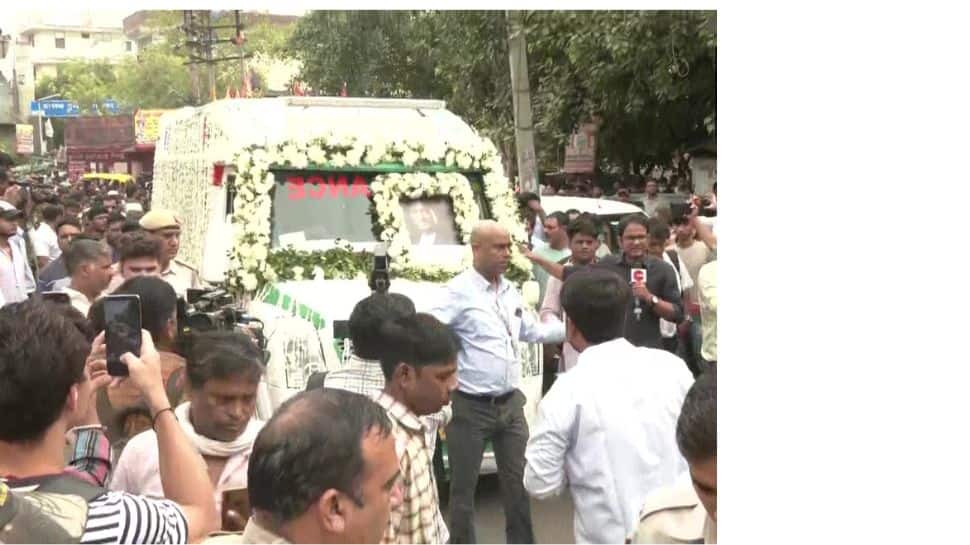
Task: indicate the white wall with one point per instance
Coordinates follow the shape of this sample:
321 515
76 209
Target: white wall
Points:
98 45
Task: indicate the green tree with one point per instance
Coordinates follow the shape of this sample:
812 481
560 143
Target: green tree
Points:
375 52
648 76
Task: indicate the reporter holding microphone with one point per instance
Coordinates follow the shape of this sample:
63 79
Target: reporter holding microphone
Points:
653 282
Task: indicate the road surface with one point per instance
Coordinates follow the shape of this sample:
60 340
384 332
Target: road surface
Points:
552 519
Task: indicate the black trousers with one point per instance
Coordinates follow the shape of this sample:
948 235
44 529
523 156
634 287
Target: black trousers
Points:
670 344
474 422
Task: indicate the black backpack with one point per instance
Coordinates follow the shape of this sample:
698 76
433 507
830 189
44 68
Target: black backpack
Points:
52 509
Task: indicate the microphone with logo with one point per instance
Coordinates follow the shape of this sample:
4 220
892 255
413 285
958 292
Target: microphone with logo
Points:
638 275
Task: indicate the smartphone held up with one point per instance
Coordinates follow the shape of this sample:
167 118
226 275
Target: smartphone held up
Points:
122 318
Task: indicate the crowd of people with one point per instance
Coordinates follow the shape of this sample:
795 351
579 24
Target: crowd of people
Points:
173 452
674 178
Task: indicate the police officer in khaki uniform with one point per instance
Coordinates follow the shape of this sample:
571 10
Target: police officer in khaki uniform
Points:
675 515
164 225
687 513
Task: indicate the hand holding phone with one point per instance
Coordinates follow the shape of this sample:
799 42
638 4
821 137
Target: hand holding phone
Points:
235 509
122 318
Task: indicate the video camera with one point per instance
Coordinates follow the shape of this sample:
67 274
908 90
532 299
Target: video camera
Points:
214 309
380 277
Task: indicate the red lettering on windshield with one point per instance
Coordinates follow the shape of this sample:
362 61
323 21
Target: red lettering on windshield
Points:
295 185
331 187
317 188
339 187
360 187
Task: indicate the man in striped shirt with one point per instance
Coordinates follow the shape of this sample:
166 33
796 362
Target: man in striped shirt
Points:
53 375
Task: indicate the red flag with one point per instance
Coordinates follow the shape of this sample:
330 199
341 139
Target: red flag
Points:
247 85
227 92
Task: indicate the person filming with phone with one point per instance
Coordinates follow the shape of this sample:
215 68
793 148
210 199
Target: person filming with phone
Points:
51 373
123 409
223 372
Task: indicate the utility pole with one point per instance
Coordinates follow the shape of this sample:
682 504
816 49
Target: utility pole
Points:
201 36
521 102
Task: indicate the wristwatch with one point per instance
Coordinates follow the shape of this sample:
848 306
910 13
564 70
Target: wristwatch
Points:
654 300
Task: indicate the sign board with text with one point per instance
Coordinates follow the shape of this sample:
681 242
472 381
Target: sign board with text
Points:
54 108
146 126
25 139
581 151
99 131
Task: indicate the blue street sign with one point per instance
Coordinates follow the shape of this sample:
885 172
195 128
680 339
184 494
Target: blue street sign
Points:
55 108
111 106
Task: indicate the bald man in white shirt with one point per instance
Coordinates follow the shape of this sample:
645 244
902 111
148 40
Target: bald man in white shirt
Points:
607 428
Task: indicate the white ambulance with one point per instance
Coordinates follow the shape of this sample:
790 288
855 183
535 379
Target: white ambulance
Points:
285 200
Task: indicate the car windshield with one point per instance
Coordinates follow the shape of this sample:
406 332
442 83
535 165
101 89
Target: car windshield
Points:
319 207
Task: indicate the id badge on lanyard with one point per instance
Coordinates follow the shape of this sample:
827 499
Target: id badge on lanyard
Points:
503 315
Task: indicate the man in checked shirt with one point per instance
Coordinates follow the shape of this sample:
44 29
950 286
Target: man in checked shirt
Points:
362 373
420 365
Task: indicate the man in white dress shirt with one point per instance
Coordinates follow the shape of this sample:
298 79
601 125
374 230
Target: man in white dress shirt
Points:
89 264
16 279
607 428
486 312
45 237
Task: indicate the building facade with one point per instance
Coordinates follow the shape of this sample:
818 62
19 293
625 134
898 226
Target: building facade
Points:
48 46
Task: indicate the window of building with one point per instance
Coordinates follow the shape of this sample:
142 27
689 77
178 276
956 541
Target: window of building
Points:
128 45
85 35
59 40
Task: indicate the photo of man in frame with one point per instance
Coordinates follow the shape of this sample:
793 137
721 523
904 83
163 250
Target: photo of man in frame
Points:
430 221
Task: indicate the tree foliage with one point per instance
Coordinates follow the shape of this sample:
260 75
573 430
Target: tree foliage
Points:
158 77
647 76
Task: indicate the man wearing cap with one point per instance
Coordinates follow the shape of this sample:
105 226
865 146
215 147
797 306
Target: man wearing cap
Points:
16 278
168 229
112 201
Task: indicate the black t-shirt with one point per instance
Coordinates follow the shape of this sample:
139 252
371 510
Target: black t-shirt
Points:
661 281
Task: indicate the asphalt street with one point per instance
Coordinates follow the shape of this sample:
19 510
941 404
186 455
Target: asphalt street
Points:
552 519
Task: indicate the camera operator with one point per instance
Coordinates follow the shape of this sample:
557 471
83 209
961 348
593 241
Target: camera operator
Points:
46 359
123 408
223 375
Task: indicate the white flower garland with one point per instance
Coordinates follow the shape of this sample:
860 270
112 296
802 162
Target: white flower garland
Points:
249 266
387 191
